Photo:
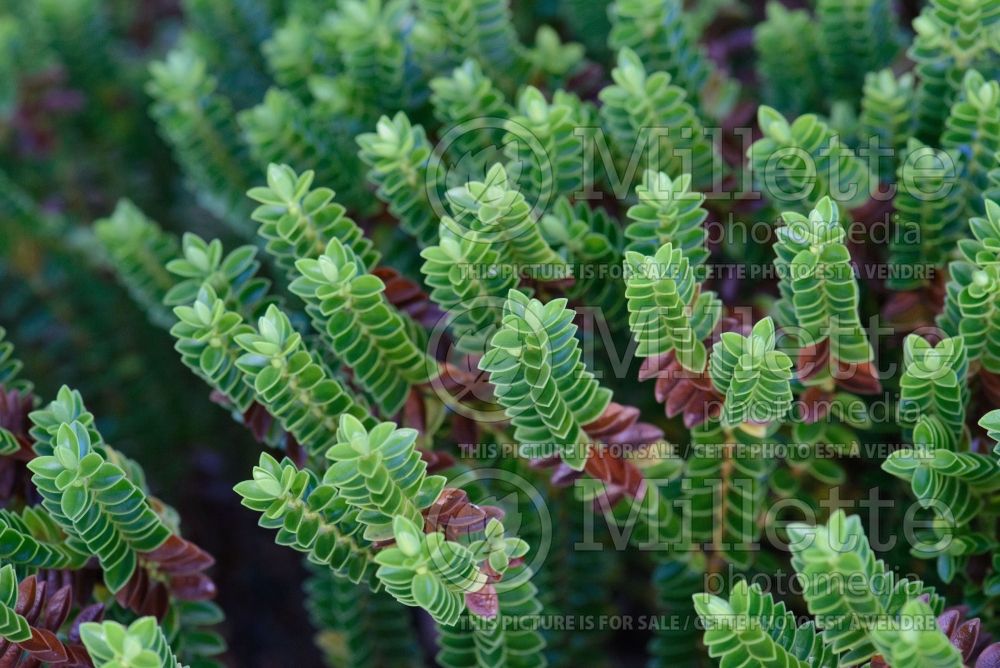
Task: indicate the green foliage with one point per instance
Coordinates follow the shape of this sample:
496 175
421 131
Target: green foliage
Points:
228 34
486 195
952 37
349 309
753 376
669 211
13 626
666 311
140 251
429 571
787 45
294 386
589 23
10 366
309 516
972 130
282 129
993 192
495 212
140 645
471 109
95 502
952 483
299 221
818 284
298 50
648 118
750 629
933 383
33 539
929 206
451 31
496 549
231 277
675 584
401 167
828 559
590 241
507 640
199 123
534 364
459 272
886 115
381 474
857 37
94 510
369 36
657 33
725 487
956 486
969 309
79 31
544 140
797 164
206 333
68 407
358 627
551 59
917 641
9 28
188 630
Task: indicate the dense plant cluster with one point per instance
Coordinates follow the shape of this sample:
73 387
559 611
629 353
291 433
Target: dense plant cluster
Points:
83 540
458 241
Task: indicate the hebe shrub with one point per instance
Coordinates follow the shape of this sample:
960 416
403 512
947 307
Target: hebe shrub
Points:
547 345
